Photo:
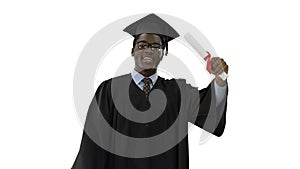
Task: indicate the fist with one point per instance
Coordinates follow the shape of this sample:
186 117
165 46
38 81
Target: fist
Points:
218 65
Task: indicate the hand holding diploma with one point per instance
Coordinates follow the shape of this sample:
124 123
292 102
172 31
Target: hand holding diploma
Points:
215 65
218 66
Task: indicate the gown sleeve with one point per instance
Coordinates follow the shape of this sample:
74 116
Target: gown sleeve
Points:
204 112
90 155
86 156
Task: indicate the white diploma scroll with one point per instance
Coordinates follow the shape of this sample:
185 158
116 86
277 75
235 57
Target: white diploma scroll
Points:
200 50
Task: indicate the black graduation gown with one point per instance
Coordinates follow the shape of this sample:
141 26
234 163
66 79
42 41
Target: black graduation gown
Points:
92 156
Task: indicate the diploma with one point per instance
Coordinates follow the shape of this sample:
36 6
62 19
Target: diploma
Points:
202 52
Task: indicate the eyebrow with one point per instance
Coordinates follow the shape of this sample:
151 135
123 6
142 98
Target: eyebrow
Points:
147 42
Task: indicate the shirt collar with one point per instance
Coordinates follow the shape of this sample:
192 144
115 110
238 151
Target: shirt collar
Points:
138 77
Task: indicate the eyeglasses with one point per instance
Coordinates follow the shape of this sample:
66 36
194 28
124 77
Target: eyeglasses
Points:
153 46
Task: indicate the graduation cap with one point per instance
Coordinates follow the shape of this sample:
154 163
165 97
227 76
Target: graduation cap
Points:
152 24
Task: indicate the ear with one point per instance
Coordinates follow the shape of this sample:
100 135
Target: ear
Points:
162 55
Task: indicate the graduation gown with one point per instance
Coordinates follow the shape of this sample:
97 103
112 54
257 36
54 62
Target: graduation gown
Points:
93 156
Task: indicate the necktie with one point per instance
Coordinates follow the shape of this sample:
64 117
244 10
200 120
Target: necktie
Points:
146 88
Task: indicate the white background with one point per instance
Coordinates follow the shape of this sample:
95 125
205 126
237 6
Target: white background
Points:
40 42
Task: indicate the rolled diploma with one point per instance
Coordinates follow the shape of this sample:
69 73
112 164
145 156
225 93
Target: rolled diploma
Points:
200 50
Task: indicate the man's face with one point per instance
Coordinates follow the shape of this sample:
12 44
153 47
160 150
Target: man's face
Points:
147 52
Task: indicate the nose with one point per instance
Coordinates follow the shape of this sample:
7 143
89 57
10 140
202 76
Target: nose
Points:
148 51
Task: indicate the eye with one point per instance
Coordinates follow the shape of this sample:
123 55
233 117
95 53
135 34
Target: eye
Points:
155 46
142 45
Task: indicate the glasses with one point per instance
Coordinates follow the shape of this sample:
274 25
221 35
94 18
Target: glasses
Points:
153 46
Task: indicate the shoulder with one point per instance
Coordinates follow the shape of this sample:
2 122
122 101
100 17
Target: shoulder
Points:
180 82
106 84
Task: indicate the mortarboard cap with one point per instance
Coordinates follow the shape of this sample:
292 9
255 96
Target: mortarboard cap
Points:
152 24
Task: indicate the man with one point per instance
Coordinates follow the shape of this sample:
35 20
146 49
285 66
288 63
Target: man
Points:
151 37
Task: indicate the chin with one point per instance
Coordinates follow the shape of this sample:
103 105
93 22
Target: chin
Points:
146 68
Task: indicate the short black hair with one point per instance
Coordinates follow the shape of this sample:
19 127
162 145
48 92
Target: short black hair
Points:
163 38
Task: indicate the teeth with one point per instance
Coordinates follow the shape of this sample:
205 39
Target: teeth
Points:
147 58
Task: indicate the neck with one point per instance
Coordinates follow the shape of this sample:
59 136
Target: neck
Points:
147 72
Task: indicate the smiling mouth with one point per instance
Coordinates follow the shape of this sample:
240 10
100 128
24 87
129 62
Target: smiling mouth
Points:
147 59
